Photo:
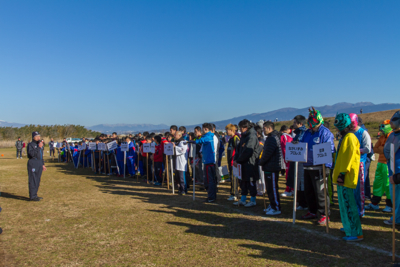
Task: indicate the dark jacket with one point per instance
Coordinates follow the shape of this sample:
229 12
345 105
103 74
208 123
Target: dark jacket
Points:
272 159
231 150
35 153
19 144
247 153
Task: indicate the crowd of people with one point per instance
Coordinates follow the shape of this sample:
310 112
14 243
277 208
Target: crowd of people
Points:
260 150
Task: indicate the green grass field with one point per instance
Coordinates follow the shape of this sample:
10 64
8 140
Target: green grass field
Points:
91 220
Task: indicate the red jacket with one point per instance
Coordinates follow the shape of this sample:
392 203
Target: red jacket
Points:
285 138
159 153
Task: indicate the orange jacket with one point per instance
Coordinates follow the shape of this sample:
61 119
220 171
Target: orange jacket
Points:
378 148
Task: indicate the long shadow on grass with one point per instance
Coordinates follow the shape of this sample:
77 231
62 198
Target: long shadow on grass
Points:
225 224
13 196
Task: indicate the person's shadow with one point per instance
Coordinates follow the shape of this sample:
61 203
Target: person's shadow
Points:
8 195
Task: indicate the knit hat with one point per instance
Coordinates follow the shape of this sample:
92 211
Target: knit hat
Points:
34 134
342 120
354 119
315 118
396 120
385 127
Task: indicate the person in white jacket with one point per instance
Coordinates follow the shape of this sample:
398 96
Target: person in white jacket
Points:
181 152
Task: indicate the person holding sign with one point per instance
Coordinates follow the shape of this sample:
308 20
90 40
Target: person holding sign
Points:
247 155
299 129
158 158
313 175
181 149
131 157
208 156
272 163
394 175
345 175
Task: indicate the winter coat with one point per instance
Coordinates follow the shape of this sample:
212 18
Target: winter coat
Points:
19 145
247 153
207 148
272 158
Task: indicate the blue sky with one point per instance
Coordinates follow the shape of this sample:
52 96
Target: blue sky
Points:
186 62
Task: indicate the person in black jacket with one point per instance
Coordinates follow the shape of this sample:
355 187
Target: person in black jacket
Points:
272 163
233 144
19 145
247 153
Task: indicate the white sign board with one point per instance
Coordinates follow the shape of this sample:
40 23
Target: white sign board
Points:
79 147
168 149
83 146
124 146
296 152
146 148
237 171
192 151
322 153
101 146
92 146
153 148
112 145
58 145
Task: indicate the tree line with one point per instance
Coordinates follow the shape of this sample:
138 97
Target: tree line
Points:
57 132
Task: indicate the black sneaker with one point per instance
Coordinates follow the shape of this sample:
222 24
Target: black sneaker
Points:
35 199
40 198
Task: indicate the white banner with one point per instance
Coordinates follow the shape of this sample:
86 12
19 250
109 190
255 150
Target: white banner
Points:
322 153
83 146
153 148
146 148
101 146
124 146
92 146
112 145
168 149
296 152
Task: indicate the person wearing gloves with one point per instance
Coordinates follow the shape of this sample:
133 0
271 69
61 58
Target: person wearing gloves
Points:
246 155
181 152
381 182
365 149
345 175
313 174
394 175
35 166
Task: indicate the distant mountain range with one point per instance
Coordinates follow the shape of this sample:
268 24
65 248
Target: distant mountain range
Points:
10 124
282 114
127 128
286 114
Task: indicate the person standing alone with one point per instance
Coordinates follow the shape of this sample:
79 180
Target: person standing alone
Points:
35 165
19 144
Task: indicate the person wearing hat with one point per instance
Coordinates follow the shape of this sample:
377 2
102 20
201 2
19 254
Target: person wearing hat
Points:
345 175
35 165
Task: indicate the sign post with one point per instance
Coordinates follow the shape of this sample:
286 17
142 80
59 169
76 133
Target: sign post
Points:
84 154
296 153
322 154
124 148
193 148
147 149
169 151
92 148
102 148
153 150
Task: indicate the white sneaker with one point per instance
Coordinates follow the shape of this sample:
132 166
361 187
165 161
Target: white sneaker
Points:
17 158
287 194
232 198
239 203
267 209
387 209
372 207
250 204
273 212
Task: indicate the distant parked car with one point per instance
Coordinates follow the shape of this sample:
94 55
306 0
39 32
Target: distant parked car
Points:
71 140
